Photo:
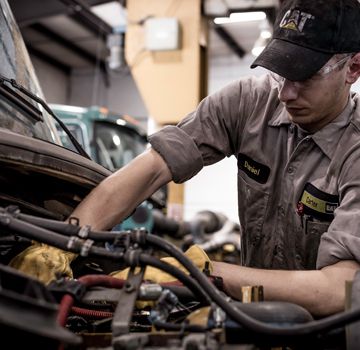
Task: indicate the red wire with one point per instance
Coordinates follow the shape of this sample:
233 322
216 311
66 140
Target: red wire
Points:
89 281
91 313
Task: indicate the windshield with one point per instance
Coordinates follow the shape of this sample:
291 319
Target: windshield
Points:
16 64
116 146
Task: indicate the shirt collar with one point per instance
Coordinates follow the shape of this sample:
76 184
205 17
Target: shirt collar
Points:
327 138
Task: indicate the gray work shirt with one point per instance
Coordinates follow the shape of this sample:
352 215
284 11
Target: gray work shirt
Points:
295 190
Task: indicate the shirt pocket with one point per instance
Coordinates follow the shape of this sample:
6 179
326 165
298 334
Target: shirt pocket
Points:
253 203
310 241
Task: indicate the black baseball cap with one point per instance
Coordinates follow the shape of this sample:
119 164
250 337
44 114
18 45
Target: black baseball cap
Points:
307 33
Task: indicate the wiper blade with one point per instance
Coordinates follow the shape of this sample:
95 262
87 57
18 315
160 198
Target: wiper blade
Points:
18 100
32 110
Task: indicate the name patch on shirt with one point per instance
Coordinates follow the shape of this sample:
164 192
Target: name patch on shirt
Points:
318 204
257 171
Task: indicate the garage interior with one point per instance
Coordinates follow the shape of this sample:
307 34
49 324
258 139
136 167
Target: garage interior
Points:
82 46
144 65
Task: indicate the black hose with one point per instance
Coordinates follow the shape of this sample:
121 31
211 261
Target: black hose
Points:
183 293
73 244
69 229
177 273
34 232
58 226
207 221
164 225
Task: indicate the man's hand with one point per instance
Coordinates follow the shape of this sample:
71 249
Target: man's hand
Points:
322 292
43 262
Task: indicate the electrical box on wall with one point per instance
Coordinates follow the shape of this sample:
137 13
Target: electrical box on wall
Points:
162 34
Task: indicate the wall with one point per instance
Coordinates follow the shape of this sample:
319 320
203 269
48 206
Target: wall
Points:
169 80
86 87
121 96
47 74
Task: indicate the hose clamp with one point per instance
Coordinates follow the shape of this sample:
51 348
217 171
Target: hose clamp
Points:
72 243
132 257
86 246
84 231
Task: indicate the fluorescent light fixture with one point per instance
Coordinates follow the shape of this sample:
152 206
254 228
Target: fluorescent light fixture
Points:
265 34
112 13
248 16
237 17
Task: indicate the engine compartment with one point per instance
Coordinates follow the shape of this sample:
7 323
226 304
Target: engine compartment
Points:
100 311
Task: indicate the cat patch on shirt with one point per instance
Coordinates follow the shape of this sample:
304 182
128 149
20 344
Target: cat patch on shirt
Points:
256 171
318 204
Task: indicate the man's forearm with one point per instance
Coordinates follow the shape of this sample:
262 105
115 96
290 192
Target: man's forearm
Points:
322 292
115 198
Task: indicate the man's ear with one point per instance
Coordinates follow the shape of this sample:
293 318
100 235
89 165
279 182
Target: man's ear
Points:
353 72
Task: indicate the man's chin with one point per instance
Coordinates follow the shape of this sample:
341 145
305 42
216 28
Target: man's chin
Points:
302 121
297 112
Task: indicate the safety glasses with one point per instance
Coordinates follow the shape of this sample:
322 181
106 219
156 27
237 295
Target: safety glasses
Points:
323 72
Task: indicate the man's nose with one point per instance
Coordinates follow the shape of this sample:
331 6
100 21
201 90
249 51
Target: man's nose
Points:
288 91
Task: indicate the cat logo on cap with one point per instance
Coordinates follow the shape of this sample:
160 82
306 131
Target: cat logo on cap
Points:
295 20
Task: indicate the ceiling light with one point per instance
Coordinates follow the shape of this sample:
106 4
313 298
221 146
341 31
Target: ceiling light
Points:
248 16
112 13
266 34
237 17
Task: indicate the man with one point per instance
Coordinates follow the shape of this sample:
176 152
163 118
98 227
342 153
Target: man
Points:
295 133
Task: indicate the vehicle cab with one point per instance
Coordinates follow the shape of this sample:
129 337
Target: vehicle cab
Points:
111 139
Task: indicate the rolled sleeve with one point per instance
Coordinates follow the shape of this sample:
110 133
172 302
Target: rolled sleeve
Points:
209 133
179 152
342 239
336 246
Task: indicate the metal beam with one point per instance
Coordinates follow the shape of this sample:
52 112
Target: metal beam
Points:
100 2
54 37
82 14
229 40
51 60
40 9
